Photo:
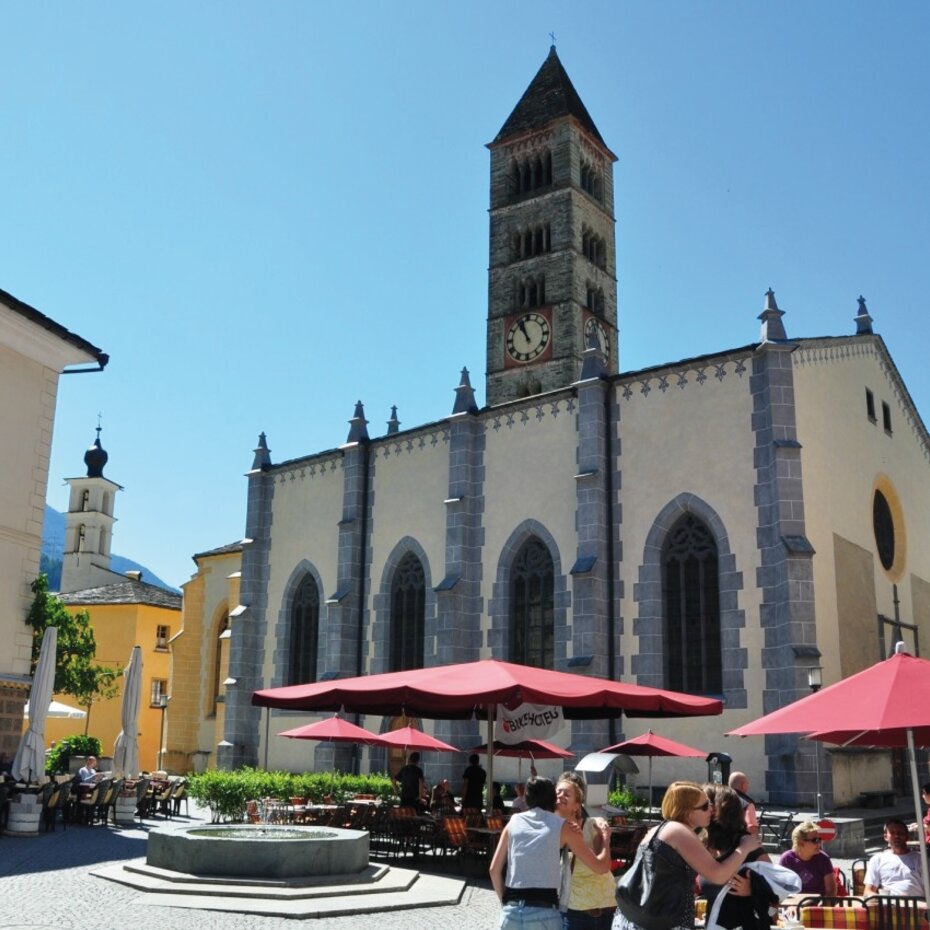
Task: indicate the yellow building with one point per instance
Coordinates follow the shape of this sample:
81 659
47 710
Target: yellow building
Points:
126 614
125 611
200 656
34 351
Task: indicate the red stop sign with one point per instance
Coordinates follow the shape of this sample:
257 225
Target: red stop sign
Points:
827 830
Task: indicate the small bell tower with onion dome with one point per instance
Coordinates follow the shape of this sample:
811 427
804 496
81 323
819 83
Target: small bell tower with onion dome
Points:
89 525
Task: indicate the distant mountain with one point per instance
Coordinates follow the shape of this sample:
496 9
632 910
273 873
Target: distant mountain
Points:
53 548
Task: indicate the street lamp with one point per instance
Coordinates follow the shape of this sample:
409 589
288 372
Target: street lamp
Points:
815 682
162 705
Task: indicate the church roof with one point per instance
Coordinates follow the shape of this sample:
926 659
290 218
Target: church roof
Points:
550 95
220 550
129 591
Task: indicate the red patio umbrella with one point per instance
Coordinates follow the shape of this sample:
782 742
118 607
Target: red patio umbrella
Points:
412 738
651 744
467 689
332 729
525 749
887 704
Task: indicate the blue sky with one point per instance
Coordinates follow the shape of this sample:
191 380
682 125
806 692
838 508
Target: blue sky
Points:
265 212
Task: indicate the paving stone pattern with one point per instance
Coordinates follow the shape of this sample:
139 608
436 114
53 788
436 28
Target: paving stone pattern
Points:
45 882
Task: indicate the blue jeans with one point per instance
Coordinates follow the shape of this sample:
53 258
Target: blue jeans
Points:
530 918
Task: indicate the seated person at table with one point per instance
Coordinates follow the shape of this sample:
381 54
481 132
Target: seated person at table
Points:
810 862
442 803
519 802
411 785
88 771
895 870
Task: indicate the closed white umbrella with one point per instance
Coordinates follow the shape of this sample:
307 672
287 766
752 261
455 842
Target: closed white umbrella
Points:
29 762
61 711
126 749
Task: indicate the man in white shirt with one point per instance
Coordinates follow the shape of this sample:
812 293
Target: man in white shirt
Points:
88 770
895 870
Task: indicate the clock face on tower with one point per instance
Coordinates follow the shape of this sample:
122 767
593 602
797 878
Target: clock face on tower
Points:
528 337
594 327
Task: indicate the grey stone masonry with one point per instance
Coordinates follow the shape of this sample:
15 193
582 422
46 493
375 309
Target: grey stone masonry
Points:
459 604
247 645
347 616
560 235
785 575
593 622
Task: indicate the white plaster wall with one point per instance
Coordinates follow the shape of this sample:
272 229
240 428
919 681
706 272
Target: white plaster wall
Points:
694 439
409 487
843 453
28 391
530 468
306 511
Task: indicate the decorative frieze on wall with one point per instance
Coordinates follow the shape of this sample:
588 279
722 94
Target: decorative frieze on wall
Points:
308 468
533 412
407 444
681 378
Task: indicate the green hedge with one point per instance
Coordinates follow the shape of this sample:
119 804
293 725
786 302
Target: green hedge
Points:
226 793
634 804
59 756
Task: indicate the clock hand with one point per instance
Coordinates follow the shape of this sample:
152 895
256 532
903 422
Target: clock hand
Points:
522 326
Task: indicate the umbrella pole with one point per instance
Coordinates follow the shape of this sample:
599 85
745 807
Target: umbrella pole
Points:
492 712
650 787
915 788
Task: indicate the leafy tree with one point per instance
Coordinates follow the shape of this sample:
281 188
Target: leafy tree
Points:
76 673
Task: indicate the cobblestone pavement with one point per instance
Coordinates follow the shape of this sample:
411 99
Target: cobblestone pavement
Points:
45 884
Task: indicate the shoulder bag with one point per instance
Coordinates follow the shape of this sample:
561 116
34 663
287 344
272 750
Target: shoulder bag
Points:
654 892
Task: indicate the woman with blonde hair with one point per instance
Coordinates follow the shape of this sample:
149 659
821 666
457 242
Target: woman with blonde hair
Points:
587 897
807 858
686 809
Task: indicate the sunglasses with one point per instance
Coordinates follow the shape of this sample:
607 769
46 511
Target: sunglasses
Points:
812 839
703 807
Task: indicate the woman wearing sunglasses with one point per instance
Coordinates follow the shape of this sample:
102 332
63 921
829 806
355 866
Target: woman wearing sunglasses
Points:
685 811
810 862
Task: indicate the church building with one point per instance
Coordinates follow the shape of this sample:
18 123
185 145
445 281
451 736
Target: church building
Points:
720 525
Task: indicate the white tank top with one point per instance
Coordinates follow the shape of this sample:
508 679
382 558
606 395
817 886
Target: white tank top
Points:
533 854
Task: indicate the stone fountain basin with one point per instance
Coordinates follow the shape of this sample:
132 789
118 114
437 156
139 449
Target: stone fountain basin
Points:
258 850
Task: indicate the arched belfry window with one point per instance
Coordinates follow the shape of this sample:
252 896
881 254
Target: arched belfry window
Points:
532 628
408 614
305 633
691 595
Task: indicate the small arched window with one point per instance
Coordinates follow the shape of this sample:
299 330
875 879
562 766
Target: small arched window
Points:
532 589
305 633
85 499
691 595
408 614
82 538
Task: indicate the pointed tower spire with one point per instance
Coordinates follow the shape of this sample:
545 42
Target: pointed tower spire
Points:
358 425
262 454
773 330
465 396
863 320
95 458
550 95
393 424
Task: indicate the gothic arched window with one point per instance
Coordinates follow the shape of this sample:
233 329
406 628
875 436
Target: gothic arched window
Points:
691 596
305 633
408 614
532 627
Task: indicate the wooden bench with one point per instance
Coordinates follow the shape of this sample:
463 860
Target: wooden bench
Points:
884 798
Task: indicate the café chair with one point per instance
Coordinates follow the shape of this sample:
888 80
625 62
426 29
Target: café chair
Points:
896 912
839 913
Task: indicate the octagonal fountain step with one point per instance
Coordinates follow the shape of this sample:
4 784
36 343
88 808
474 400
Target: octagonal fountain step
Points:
292 872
